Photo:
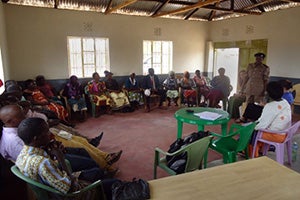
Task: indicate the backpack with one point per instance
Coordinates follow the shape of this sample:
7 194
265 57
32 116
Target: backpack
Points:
178 163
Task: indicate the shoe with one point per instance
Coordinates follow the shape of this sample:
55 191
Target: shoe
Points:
114 157
96 141
272 148
111 174
240 120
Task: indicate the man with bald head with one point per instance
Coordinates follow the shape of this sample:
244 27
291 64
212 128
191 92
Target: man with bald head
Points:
11 116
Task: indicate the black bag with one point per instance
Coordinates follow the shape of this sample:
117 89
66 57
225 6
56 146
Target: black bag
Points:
177 163
137 189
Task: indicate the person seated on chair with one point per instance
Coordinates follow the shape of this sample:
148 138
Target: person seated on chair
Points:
47 89
222 83
287 93
276 114
73 91
188 92
119 98
237 99
171 86
135 94
202 86
100 95
42 159
253 111
39 100
10 144
152 84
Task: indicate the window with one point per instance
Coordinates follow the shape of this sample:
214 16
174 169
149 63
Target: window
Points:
88 55
158 55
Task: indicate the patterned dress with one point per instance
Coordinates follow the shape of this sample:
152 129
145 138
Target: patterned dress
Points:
99 94
39 98
134 91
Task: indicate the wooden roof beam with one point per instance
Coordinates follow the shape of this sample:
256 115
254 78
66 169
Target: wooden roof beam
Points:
256 5
187 8
122 5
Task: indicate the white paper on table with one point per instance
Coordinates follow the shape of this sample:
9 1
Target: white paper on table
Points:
208 115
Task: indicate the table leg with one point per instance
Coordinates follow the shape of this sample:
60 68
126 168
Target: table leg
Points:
179 129
200 127
224 129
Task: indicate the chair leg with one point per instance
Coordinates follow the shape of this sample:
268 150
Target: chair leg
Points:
156 158
279 153
289 151
254 149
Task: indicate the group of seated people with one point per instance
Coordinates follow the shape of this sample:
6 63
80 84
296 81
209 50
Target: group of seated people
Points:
44 115
33 139
196 91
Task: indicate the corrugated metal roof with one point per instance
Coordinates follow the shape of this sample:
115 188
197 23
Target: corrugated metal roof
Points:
205 10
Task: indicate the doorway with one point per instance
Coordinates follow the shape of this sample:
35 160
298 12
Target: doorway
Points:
227 58
1 74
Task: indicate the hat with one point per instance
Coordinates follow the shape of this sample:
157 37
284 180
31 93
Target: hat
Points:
106 72
261 55
147 92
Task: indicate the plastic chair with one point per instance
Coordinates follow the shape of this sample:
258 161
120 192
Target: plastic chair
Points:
279 147
236 141
296 88
152 101
196 152
68 106
42 191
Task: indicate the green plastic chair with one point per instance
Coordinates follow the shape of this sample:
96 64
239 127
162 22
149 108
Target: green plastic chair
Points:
42 191
196 153
236 141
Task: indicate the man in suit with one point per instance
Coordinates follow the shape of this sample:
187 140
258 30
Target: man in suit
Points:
152 84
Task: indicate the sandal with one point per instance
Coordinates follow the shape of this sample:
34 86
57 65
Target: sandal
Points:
114 157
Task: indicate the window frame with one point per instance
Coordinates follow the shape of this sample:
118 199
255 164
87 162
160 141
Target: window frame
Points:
95 51
160 58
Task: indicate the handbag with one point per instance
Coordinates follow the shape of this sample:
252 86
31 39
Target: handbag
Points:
137 189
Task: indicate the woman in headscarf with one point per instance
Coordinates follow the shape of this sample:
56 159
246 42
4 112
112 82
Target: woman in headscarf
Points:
135 94
98 92
188 92
171 86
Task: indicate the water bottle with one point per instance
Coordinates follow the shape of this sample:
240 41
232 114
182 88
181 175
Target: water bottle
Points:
294 151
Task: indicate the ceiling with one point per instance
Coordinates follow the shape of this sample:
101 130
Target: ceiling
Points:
203 10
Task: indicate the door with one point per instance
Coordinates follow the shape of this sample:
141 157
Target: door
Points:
227 58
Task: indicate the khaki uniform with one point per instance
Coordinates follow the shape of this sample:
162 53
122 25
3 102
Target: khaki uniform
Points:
255 82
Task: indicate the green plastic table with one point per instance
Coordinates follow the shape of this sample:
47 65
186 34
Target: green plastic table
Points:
183 116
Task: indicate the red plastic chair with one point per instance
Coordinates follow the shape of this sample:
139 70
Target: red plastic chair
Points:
279 146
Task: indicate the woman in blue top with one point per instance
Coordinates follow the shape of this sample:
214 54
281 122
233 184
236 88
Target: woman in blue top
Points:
287 94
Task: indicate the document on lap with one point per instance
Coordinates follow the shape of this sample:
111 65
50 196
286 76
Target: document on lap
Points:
208 115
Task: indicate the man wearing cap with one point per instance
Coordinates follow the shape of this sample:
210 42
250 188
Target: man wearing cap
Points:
256 80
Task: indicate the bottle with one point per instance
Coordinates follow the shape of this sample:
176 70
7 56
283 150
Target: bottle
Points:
294 151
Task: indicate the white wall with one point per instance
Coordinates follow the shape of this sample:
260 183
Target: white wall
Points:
37 40
282 30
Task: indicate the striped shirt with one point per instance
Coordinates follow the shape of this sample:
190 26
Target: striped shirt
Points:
36 164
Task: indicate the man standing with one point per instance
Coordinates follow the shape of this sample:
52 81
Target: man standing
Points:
256 80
